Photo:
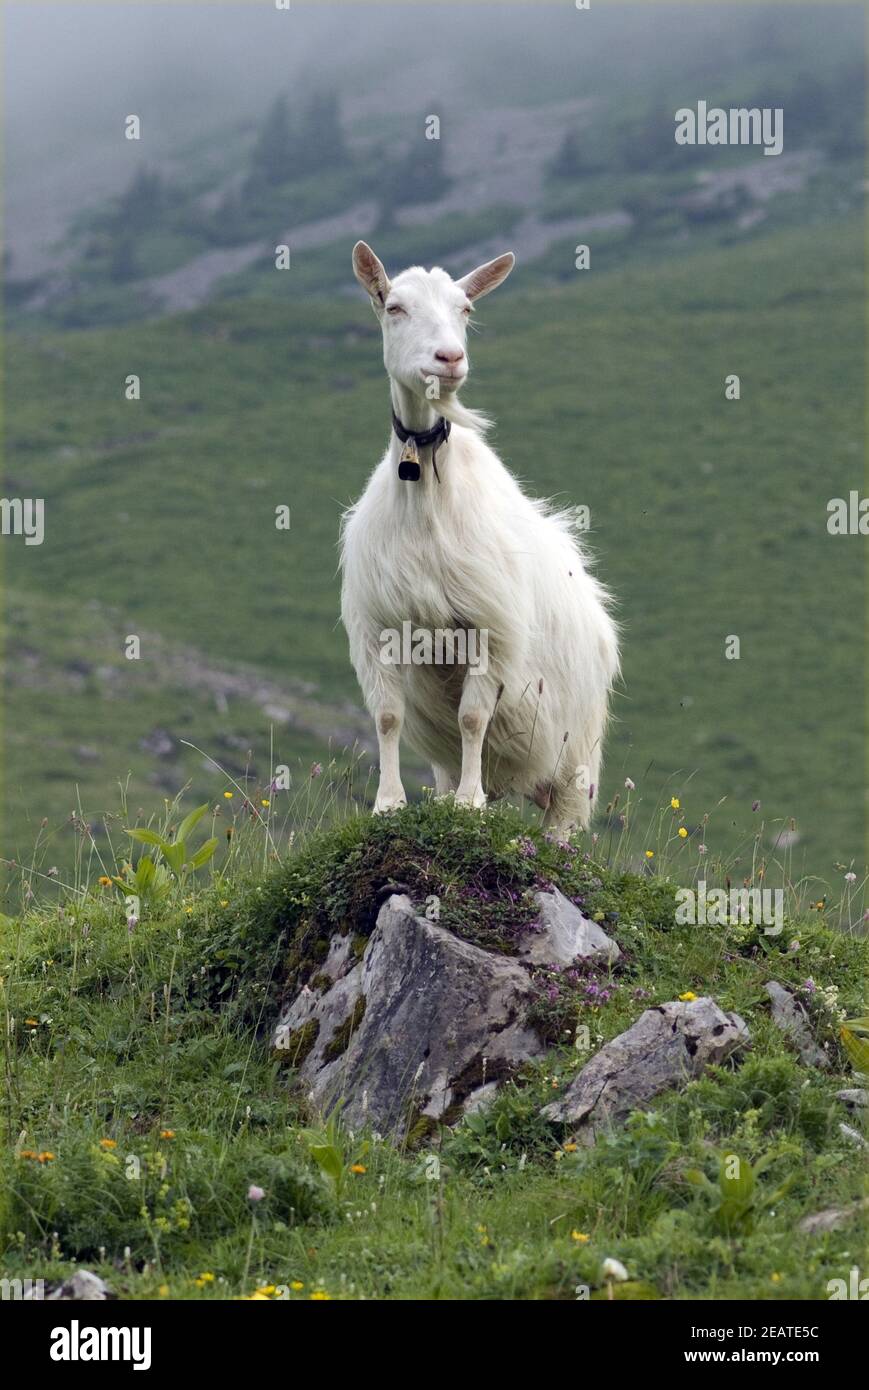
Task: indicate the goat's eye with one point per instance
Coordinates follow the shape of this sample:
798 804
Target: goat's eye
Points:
394 309
466 309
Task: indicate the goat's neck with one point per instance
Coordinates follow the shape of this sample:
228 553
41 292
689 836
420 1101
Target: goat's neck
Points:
413 410
418 415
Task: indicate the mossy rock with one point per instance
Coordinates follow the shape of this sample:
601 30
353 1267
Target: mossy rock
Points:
299 1043
340 1040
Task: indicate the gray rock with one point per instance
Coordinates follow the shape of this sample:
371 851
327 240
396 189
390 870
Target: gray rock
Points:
479 1099
831 1219
441 1020
853 1136
857 1099
789 1015
340 960
83 1287
329 1012
565 935
667 1045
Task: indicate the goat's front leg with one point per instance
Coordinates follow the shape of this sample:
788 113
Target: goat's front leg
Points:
476 707
389 719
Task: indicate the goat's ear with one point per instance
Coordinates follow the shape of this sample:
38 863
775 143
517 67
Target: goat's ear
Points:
370 273
487 277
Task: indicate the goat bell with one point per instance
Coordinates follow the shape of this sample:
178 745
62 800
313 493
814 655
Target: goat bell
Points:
408 464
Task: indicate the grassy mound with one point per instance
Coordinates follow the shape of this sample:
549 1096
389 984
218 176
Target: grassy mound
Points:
145 1114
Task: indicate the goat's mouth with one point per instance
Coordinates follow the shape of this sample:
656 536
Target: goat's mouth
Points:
449 381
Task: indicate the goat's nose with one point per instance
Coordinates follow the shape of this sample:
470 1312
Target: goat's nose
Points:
451 355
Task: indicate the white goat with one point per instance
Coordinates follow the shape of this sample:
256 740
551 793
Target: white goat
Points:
459 547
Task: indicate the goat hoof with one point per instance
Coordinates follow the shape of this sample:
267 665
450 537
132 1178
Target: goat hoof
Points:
384 804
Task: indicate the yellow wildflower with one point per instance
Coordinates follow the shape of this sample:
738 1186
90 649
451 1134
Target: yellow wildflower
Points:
358 1168
650 854
104 882
683 833
687 997
320 1296
297 1285
167 1134
108 1143
580 1236
228 795
675 803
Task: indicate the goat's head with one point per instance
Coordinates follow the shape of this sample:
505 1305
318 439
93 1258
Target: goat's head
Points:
424 317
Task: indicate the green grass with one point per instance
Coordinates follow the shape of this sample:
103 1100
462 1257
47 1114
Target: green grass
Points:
139 1061
708 519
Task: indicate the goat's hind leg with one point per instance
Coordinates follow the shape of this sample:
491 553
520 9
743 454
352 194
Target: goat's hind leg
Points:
443 782
567 811
569 805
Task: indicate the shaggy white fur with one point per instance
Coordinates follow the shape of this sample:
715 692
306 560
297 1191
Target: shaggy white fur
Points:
471 553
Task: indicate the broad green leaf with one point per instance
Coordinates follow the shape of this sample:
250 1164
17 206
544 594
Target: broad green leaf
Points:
146 837
733 1215
761 1164
696 1177
858 1025
145 871
204 853
857 1049
175 855
782 1191
329 1160
739 1186
190 821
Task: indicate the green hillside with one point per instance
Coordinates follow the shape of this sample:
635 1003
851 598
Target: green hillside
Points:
708 519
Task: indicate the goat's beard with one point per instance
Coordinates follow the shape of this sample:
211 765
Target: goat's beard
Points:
451 408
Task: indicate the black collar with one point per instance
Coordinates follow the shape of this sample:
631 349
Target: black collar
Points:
408 467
